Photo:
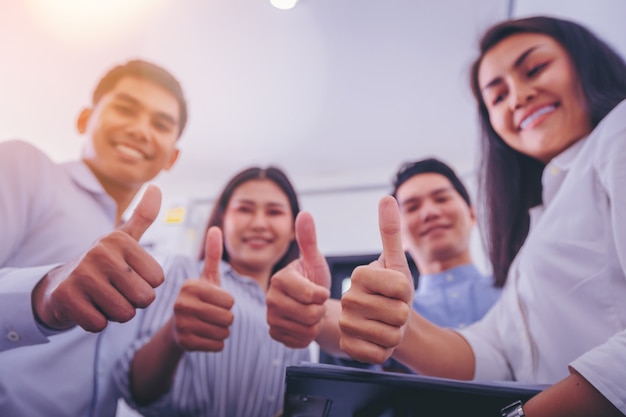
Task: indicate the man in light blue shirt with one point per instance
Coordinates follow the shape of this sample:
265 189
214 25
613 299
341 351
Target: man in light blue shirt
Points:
62 277
437 219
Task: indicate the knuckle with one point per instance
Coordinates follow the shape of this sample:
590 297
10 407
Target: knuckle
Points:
94 325
145 298
123 315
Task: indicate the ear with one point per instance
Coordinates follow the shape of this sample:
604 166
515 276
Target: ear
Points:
472 213
83 120
172 160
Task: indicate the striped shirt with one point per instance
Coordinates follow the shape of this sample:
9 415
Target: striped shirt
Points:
245 379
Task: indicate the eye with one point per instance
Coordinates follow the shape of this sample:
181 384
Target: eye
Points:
536 70
123 109
275 212
245 209
498 98
162 127
410 208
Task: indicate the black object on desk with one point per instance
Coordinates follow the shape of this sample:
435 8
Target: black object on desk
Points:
319 390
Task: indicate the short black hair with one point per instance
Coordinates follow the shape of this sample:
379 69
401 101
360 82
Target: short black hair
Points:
144 70
423 166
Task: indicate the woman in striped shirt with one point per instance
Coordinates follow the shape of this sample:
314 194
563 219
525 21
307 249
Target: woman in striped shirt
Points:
204 347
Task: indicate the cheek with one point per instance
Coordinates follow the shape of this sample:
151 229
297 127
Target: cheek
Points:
286 231
499 124
409 226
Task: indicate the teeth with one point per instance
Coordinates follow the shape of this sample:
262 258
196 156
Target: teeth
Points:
536 114
257 241
129 151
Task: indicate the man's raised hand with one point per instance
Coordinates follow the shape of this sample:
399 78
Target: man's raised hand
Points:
108 282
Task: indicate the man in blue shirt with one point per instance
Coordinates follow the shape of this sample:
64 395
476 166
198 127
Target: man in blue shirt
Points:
68 279
437 219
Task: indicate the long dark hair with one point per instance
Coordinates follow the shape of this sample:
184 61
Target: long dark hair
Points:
510 181
278 177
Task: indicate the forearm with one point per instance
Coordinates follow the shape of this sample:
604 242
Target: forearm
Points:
432 350
574 396
154 366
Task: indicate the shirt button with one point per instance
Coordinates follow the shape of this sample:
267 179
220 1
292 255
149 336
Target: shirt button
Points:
13 336
454 294
554 170
450 277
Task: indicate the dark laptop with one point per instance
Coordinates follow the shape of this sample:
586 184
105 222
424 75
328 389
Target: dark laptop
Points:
319 390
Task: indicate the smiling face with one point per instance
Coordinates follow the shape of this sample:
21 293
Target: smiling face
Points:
533 95
436 222
258 228
133 131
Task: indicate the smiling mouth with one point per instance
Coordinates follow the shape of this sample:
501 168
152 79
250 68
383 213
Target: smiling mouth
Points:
528 120
257 241
433 229
129 151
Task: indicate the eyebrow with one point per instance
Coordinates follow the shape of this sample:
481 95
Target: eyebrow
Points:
245 201
438 191
132 100
520 59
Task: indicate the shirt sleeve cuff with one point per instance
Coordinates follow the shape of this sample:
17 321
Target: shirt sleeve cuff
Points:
600 366
18 326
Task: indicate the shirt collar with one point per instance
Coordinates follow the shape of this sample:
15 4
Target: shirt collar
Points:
565 159
84 178
554 174
455 275
82 175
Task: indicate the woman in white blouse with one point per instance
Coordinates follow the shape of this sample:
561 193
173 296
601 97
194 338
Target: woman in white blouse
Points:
550 97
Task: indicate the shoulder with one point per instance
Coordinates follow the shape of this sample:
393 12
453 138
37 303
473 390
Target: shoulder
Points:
22 160
178 268
606 145
613 125
20 150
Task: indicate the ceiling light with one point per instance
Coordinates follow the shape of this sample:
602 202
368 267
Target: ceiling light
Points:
284 4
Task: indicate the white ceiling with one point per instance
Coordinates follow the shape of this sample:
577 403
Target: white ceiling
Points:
337 92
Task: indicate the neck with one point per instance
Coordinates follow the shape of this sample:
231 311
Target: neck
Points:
122 194
437 266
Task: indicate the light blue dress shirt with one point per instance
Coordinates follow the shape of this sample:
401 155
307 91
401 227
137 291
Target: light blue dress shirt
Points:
49 214
455 298
246 379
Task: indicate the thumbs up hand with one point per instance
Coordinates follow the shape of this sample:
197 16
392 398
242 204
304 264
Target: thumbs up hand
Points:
297 293
202 311
376 308
108 282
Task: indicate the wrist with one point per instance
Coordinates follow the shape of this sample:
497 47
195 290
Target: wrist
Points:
41 307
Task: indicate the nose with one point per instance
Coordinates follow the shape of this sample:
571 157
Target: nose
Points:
520 93
139 128
259 220
429 211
